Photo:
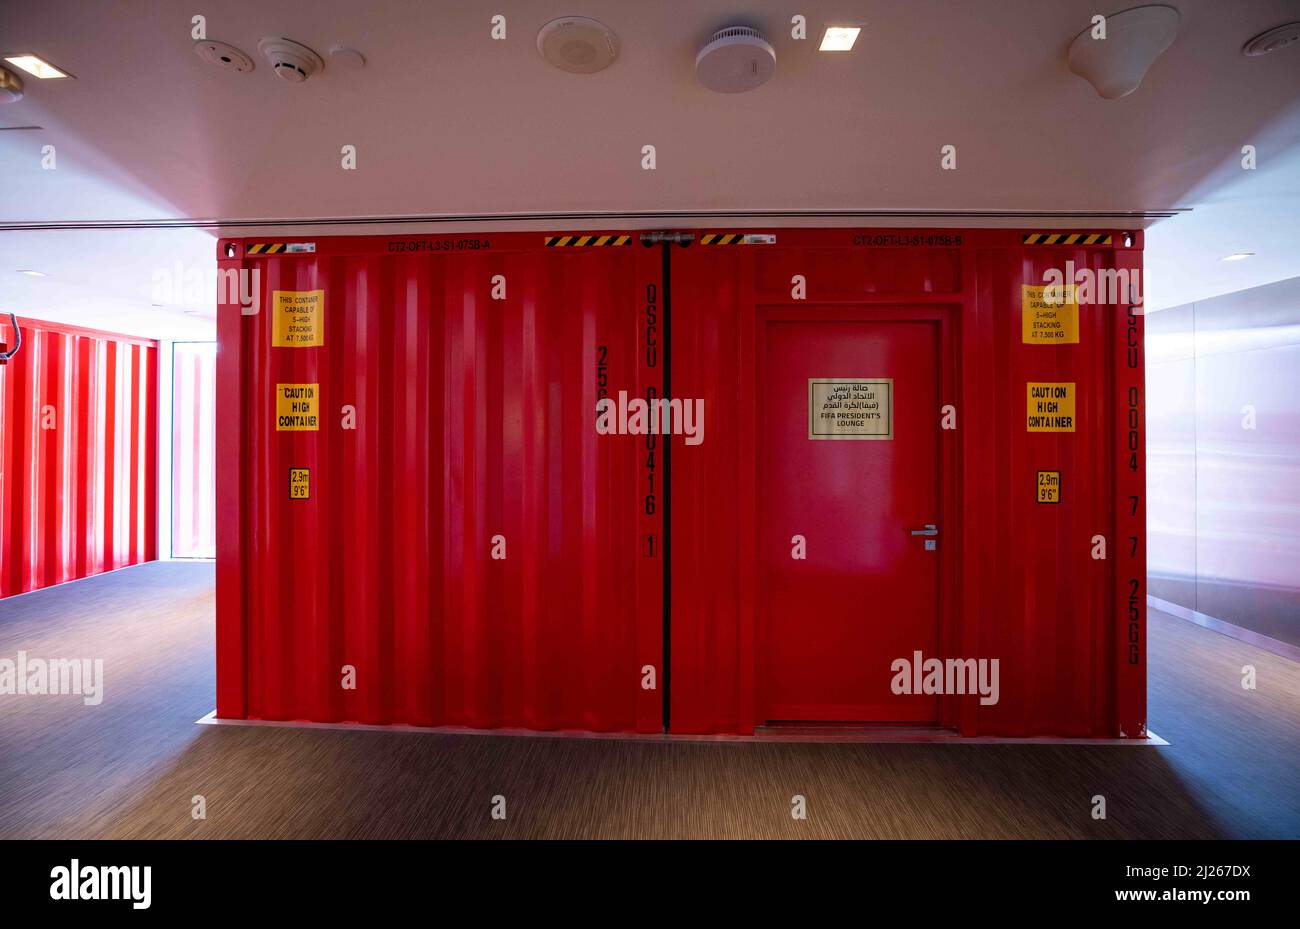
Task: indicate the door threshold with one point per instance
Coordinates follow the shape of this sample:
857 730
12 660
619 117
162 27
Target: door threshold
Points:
785 731
907 732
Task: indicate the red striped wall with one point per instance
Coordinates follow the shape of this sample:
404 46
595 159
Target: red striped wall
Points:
78 455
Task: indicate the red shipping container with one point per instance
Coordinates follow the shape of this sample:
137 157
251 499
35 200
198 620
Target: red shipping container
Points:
78 454
447 541
425 526
759 636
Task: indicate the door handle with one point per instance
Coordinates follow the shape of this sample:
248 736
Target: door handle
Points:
930 529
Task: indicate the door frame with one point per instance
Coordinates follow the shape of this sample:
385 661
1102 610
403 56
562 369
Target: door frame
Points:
946 316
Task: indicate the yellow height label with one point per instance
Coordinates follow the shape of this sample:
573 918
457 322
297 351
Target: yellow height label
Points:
299 318
1050 407
295 407
1049 486
1049 315
299 483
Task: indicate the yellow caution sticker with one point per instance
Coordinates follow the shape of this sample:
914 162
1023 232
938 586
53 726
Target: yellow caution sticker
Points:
1066 238
296 407
1049 315
1049 486
585 241
1050 407
738 238
298 318
299 483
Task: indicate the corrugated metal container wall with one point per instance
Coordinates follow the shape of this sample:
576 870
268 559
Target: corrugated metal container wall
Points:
78 455
449 542
1019 580
358 580
194 370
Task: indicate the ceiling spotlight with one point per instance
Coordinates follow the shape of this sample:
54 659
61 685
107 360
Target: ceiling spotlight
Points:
1237 256
734 60
839 38
578 44
36 67
30 273
1134 39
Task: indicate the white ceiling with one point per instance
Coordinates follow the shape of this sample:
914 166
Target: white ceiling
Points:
448 121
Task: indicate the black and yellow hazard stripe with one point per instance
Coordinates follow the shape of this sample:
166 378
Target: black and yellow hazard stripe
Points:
265 248
1066 238
722 238
585 241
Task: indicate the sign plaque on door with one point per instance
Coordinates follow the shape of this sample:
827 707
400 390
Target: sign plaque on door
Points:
850 408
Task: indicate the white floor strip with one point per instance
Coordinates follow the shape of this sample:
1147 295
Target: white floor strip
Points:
935 737
1204 620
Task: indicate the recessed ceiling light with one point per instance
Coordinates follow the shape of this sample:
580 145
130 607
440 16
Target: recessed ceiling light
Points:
1237 256
36 67
30 272
839 38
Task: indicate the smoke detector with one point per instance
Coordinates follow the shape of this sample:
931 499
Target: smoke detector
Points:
223 56
11 87
1271 41
734 60
347 59
1135 38
290 60
578 44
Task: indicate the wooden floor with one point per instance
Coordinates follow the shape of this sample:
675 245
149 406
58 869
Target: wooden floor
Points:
130 767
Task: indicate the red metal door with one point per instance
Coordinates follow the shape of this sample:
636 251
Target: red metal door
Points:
849 464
